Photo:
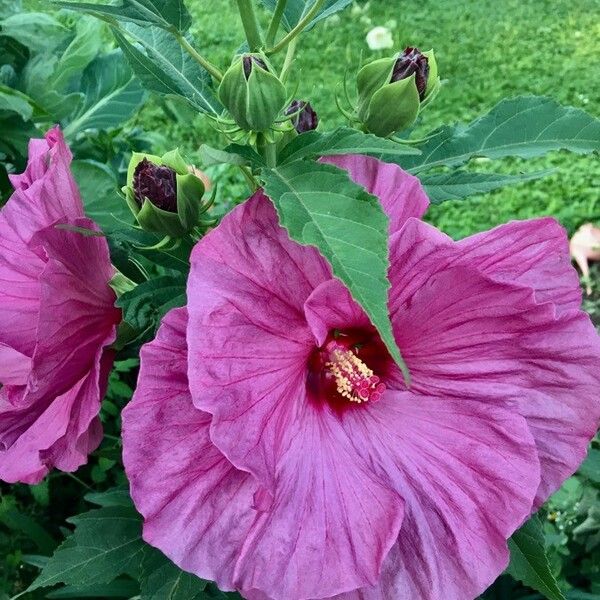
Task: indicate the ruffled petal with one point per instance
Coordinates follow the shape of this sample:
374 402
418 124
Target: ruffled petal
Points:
197 506
59 434
77 314
400 193
46 191
532 253
464 335
247 336
468 472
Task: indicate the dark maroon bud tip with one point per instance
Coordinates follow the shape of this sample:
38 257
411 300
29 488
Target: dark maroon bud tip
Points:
157 183
409 62
305 119
248 60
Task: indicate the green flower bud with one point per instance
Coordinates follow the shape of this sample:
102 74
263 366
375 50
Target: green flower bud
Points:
163 195
252 94
392 90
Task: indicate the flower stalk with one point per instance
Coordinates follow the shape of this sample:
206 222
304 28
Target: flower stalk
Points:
248 16
275 22
302 24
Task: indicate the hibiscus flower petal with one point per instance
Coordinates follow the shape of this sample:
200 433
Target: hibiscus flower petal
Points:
465 335
196 505
400 193
330 307
247 336
77 313
332 520
14 366
46 191
468 472
531 253
61 433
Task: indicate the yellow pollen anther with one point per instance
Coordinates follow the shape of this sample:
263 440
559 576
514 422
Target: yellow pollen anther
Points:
354 380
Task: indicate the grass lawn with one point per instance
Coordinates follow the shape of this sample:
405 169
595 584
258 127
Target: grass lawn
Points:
486 50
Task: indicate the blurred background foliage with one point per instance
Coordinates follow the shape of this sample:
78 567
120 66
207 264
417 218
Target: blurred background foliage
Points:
486 50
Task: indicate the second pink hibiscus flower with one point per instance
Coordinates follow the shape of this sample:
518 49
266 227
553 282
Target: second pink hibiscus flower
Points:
272 445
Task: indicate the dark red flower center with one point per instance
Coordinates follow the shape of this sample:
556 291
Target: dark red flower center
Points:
348 370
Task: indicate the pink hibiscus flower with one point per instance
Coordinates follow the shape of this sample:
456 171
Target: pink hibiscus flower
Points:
57 316
272 445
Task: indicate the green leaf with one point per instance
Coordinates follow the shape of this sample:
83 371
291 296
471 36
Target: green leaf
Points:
145 305
525 127
17 521
165 68
101 199
296 9
120 588
111 94
84 47
320 206
107 542
37 31
213 156
9 7
164 13
343 140
461 184
14 101
528 561
113 497
590 467
162 579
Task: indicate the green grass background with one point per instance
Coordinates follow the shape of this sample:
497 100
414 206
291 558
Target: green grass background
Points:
486 50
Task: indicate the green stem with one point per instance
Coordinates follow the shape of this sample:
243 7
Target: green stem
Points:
268 150
275 22
287 63
198 57
306 19
250 24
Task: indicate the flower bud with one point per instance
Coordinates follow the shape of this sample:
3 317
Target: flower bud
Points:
304 117
163 194
252 94
392 90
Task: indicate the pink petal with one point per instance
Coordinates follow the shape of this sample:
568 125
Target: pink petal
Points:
61 434
77 314
14 366
468 472
46 191
330 307
400 193
247 336
466 336
197 507
529 253
332 520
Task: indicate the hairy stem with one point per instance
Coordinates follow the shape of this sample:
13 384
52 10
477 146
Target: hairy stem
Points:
248 16
306 19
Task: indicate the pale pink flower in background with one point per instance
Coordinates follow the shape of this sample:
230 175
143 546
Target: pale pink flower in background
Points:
273 446
380 38
57 317
585 247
